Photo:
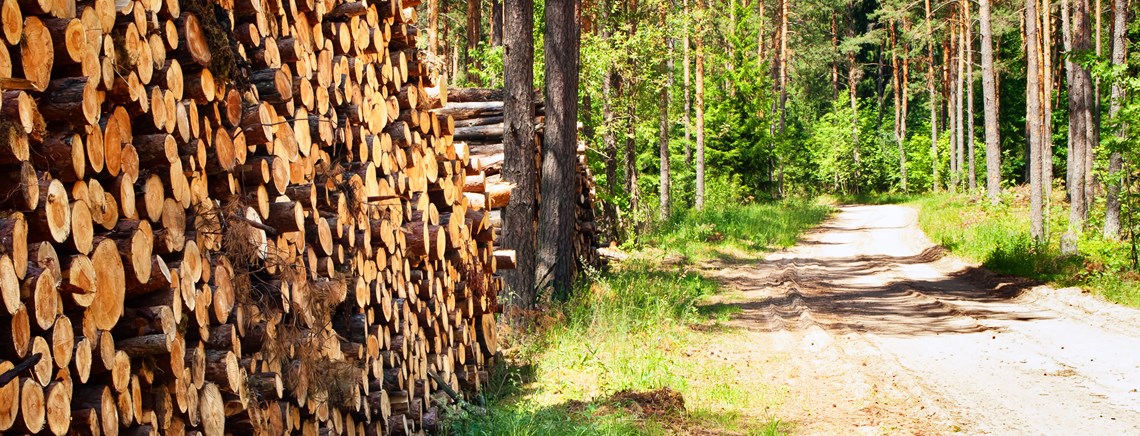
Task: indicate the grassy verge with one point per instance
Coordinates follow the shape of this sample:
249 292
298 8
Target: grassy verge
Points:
998 237
748 229
628 354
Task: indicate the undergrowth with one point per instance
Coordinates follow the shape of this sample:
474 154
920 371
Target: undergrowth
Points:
998 237
747 228
641 328
624 331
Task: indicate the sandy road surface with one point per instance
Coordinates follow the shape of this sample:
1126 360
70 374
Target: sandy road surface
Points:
870 329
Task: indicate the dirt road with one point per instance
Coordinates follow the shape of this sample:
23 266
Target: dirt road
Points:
870 329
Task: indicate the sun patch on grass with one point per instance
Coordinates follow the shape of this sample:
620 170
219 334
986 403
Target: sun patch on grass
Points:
997 236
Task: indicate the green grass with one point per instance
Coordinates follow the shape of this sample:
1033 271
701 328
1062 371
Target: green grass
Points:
998 237
642 326
626 330
749 228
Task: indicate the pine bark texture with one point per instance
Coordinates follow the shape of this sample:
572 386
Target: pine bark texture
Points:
663 135
1033 115
1116 160
1080 127
933 99
700 100
989 95
519 166
559 163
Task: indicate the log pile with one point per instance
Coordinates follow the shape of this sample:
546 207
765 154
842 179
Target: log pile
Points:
236 216
478 115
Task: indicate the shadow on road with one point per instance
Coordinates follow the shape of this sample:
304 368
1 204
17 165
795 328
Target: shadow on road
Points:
827 292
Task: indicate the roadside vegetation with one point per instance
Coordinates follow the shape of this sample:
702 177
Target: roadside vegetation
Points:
628 354
998 237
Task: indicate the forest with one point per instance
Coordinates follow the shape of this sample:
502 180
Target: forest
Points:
523 217
685 103
720 132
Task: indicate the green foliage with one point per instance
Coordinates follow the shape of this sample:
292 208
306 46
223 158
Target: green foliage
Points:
636 320
998 237
749 227
488 70
630 328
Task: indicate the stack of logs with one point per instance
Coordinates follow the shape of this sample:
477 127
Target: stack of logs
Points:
478 115
235 216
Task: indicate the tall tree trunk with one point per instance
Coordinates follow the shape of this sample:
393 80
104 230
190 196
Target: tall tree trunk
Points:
558 211
630 155
1080 124
880 87
610 84
1115 160
685 64
1033 118
496 23
960 96
663 134
933 99
853 74
1094 123
730 41
905 85
700 97
898 106
834 58
519 165
760 37
664 142
783 69
1047 85
955 109
474 35
989 94
1067 39
971 173
433 27
779 85
784 59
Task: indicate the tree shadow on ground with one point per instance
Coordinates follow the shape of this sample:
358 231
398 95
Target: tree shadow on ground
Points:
627 412
842 294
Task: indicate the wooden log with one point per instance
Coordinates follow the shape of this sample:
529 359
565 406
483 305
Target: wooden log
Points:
485 133
37 53
58 407
191 36
79 280
14 242
32 407
110 278
20 189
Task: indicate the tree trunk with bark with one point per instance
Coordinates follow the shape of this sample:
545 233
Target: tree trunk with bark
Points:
933 98
1033 118
1080 126
971 174
663 132
1116 160
897 93
519 166
1047 107
989 94
433 27
474 35
496 23
685 64
700 97
557 214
